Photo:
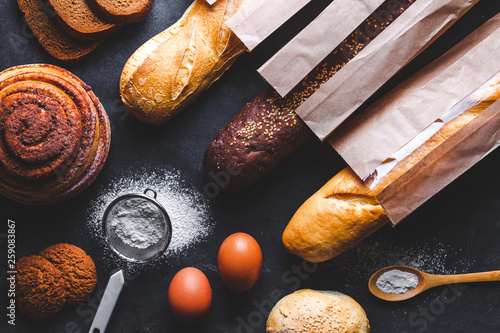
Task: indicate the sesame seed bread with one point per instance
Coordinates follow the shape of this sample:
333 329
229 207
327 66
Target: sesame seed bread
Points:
315 311
123 11
267 129
170 70
254 141
53 38
79 21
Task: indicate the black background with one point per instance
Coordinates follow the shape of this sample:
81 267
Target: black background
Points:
456 231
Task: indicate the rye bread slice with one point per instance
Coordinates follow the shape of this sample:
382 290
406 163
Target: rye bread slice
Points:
121 11
76 17
52 38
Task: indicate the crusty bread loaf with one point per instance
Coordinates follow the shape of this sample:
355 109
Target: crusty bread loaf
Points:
255 140
342 213
345 211
52 38
123 11
267 129
171 69
315 311
79 21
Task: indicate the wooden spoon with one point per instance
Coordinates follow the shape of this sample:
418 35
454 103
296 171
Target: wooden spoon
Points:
427 281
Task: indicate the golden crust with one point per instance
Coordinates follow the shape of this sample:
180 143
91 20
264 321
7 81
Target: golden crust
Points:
345 211
335 218
173 68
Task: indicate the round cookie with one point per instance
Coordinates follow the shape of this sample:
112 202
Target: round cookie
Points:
77 268
40 287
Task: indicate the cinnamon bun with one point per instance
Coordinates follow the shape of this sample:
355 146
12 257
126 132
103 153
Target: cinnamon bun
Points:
54 134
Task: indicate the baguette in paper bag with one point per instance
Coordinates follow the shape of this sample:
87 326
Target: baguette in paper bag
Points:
346 209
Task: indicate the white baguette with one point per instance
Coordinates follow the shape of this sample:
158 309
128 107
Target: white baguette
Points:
345 211
171 69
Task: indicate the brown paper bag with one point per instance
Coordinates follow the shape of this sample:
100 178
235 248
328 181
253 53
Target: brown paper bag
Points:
443 165
392 49
391 128
315 42
255 20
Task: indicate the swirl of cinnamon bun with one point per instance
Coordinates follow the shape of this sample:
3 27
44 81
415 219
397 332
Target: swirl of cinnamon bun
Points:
54 134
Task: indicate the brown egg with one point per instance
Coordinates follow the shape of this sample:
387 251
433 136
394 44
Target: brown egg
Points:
189 295
239 262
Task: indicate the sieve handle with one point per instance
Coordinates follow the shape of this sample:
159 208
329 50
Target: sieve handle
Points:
150 190
108 301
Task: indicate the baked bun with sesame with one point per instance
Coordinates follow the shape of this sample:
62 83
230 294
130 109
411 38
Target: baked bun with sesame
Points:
268 129
317 312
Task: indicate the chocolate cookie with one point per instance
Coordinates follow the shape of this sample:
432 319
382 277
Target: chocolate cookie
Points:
77 269
40 287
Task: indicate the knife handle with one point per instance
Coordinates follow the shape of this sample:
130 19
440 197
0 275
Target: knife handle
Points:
108 302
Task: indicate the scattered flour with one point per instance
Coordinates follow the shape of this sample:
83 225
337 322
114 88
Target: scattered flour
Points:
186 207
379 251
397 282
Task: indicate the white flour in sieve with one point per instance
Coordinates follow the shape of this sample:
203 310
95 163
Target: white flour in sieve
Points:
137 222
186 207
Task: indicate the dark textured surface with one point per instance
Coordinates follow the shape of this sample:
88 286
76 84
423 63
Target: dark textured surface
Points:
457 230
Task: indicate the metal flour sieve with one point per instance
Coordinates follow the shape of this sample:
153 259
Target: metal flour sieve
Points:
151 224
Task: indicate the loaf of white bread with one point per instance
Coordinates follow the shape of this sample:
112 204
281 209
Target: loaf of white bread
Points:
171 69
316 311
345 210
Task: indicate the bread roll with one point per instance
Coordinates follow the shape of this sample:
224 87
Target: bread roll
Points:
317 311
171 69
345 211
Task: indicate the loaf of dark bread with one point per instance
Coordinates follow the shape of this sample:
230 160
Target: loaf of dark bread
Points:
268 129
254 141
